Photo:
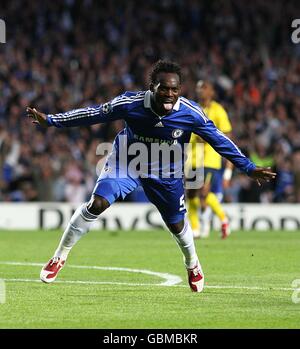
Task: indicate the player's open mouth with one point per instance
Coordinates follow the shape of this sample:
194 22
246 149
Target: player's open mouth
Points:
168 105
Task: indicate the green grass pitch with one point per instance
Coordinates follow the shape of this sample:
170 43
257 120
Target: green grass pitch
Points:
248 280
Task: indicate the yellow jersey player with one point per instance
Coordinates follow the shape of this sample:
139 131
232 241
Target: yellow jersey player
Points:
209 196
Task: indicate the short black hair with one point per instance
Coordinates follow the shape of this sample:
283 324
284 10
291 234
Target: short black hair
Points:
164 66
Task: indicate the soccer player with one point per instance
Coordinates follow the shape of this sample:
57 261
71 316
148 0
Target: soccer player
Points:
211 193
159 115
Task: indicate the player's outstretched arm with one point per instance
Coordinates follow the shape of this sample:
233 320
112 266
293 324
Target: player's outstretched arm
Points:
110 111
37 117
260 174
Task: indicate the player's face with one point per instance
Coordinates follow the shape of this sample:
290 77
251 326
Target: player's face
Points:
204 90
166 92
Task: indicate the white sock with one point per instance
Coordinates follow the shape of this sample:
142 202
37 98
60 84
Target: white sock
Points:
185 241
206 215
79 224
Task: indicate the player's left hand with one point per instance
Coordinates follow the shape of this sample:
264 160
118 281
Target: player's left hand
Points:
261 174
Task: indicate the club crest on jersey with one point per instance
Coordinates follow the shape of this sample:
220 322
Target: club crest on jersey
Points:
177 133
106 108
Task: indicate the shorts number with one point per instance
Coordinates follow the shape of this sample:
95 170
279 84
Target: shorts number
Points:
182 203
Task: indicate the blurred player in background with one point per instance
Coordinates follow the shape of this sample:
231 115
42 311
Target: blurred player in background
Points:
159 115
209 196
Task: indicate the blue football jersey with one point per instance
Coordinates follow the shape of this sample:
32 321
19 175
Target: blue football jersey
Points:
144 126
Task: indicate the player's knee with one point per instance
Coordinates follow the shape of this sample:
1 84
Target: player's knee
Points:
97 205
204 192
176 228
192 193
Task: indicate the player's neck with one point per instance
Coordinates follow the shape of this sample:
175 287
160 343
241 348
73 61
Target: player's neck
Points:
205 103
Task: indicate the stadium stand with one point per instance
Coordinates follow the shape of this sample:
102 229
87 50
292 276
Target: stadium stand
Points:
62 55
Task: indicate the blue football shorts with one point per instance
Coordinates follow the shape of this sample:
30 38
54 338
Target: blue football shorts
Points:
215 178
166 194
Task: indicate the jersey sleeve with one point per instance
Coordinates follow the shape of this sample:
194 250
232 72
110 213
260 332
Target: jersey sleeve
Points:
207 130
110 111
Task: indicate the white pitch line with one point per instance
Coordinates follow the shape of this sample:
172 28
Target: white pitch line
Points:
170 279
87 282
257 288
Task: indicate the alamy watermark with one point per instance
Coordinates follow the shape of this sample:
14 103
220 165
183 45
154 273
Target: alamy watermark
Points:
296 293
2 292
296 33
2 31
152 158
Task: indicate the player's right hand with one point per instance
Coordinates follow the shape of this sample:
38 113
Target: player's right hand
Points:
37 117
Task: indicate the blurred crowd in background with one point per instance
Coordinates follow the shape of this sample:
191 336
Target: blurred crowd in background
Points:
61 55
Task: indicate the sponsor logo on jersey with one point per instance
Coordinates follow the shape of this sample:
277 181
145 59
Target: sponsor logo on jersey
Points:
145 139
